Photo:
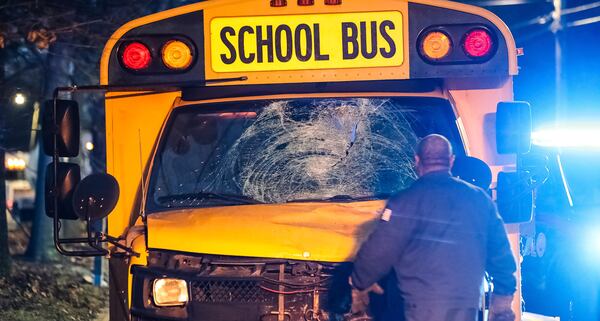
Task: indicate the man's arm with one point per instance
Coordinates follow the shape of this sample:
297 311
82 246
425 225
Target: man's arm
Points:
384 246
500 262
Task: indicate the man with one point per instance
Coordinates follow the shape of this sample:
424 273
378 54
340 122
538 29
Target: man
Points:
438 237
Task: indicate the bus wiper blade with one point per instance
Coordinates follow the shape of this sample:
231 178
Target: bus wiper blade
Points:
192 197
342 198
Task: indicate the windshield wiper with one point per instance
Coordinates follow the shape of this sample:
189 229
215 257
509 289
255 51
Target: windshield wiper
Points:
195 197
342 198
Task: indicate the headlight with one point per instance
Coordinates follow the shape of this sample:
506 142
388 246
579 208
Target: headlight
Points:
170 292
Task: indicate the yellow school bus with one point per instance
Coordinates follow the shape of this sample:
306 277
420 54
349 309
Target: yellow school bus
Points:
254 143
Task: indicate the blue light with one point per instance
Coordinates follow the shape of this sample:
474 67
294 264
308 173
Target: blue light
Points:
582 136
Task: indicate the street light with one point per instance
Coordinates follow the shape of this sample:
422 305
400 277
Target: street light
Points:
19 99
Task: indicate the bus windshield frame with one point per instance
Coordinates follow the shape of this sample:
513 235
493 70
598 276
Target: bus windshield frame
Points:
331 118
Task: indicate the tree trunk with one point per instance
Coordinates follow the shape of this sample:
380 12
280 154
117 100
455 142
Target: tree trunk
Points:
40 247
58 71
5 260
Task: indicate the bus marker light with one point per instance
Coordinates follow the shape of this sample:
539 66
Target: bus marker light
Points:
177 55
436 45
333 2
478 43
278 3
306 2
136 56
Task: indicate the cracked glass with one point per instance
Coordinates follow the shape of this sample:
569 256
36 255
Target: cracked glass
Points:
293 150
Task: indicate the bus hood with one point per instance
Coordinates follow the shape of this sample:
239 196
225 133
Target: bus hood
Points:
329 232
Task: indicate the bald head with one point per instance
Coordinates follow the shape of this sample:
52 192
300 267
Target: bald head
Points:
433 153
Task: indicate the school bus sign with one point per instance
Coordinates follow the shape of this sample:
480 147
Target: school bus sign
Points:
301 42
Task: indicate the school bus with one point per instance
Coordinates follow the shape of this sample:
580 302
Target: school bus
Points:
251 146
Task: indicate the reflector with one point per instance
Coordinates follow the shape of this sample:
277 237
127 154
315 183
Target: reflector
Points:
478 43
176 55
436 45
136 56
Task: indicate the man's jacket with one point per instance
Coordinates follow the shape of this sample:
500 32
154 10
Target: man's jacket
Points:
440 236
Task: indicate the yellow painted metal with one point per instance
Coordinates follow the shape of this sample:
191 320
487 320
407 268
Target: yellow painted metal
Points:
133 123
330 232
306 231
257 8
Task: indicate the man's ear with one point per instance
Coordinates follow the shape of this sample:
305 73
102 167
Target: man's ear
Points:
452 158
417 161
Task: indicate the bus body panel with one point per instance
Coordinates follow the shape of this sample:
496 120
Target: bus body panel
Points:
134 124
207 11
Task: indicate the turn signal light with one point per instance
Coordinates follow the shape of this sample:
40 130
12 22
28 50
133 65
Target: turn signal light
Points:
136 56
478 43
177 55
436 45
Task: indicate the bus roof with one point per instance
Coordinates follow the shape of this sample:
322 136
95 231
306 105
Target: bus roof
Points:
249 42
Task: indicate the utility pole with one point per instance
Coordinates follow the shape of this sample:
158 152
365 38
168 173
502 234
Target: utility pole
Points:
557 31
5 259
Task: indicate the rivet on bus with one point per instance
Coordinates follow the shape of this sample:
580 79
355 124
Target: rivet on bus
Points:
136 56
306 2
278 3
478 43
333 2
177 55
436 45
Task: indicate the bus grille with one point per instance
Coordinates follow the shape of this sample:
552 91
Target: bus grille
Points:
230 291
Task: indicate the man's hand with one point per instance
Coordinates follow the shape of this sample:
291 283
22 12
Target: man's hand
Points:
500 308
360 299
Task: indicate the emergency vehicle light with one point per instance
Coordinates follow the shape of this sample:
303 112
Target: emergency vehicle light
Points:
478 43
136 56
177 55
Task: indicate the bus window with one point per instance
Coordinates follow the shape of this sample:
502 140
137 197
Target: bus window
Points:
277 151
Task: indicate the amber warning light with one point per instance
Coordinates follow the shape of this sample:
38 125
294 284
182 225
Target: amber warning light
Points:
436 45
177 55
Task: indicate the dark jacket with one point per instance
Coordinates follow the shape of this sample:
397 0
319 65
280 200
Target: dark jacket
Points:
441 236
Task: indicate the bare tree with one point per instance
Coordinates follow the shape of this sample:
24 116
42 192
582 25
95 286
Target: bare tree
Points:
56 43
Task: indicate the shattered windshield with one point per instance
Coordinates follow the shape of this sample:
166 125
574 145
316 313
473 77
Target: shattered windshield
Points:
277 151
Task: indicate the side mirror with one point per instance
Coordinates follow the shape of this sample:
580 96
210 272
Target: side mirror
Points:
65 125
473 170
513 127
514 197
95 197
68 176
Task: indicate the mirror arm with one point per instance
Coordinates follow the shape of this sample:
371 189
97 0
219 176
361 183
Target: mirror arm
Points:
115 241
93 241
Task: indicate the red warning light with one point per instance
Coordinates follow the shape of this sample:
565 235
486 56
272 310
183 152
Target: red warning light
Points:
478 43
278 3
306 2
333 2
136 56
